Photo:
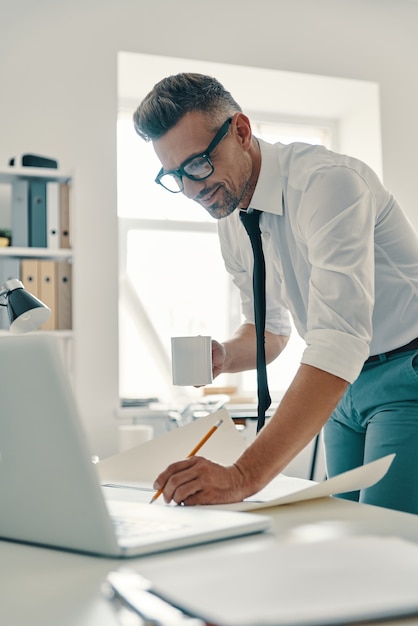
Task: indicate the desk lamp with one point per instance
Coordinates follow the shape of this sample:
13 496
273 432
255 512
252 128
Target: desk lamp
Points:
26 312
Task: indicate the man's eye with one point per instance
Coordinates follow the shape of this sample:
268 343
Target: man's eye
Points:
198 167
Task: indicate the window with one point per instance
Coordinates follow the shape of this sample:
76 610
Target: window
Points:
173 280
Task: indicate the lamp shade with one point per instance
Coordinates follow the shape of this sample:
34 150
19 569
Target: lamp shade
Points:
26 312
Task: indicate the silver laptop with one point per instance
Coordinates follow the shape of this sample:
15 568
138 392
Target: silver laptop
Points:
49 490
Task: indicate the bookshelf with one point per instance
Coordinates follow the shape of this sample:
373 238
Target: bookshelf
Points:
10 174
36 253
45 271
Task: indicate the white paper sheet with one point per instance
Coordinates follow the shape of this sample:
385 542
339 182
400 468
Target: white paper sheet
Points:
144 462
298 584
285 490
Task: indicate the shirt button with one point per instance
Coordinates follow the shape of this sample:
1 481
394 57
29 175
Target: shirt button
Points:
266 236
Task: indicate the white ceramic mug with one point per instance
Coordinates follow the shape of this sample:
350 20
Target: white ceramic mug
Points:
191 360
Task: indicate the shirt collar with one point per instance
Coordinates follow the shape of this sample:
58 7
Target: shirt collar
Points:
267 194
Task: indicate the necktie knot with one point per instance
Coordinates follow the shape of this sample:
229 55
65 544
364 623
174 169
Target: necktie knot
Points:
251 221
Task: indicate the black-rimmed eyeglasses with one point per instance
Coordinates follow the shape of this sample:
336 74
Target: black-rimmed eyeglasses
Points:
198 167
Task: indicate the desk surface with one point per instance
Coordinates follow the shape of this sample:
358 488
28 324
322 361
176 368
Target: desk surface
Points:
43 587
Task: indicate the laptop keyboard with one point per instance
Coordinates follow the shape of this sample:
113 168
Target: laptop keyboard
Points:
134 527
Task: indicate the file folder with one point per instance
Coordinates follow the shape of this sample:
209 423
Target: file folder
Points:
29 271
65 239
53 214
19 219
63 295
37 214
9 268
48 290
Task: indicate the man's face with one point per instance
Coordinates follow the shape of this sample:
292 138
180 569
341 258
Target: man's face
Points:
231 184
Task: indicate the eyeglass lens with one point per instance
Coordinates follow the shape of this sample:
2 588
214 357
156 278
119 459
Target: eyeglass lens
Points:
200 167
197 168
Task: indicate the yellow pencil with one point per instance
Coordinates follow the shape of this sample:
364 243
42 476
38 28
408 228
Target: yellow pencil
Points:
193 452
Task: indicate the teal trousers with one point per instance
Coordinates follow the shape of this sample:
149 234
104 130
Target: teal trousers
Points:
378 415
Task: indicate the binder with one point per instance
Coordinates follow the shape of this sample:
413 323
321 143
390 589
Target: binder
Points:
52 215
37 213
29 272
65 236
19 219
48 290
9 268
63 295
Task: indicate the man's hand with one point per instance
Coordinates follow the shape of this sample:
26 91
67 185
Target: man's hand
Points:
218 358
303 410
199 481
239 353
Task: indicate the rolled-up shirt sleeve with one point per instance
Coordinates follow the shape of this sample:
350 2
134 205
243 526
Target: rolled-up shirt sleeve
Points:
336 221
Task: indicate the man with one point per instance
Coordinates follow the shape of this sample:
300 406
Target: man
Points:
340 256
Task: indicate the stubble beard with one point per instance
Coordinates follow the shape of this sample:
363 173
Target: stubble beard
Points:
229 202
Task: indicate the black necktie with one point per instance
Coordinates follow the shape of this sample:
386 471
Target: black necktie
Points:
251 224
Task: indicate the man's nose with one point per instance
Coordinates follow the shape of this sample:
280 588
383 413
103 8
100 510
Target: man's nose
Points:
191 187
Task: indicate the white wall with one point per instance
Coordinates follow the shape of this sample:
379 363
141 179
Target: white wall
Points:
58 89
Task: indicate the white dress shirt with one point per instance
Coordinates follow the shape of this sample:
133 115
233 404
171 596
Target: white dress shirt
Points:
340 256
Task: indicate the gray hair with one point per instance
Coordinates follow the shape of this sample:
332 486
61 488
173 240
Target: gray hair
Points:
174 96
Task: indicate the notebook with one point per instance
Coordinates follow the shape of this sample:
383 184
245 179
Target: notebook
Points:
50 494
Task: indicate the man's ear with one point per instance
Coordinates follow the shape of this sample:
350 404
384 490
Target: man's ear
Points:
242 126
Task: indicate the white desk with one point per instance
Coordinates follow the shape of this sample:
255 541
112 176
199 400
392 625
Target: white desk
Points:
42 587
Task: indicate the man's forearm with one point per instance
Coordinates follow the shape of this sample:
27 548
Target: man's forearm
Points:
241 349
303 411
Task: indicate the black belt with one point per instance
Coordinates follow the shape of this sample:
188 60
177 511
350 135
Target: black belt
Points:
412 345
